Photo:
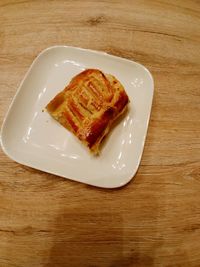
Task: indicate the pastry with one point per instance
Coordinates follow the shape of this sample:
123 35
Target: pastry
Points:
89 105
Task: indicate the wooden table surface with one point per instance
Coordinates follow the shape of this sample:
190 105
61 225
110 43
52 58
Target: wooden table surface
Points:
153 221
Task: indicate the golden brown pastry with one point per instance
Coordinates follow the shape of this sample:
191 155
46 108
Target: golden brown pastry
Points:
89 105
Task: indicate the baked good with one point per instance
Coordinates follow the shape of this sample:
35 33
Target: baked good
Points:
89 105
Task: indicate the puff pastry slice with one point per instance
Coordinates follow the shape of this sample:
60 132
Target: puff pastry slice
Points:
89 105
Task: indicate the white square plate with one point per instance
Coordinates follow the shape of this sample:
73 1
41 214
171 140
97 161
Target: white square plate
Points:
31 137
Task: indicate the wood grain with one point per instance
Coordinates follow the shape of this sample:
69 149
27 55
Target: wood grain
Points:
155 220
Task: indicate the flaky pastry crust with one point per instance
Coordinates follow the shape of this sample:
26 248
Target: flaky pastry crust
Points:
89 105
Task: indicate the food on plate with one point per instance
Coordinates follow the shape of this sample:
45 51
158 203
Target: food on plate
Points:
89 105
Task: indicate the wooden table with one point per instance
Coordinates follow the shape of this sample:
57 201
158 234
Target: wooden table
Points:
153 221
